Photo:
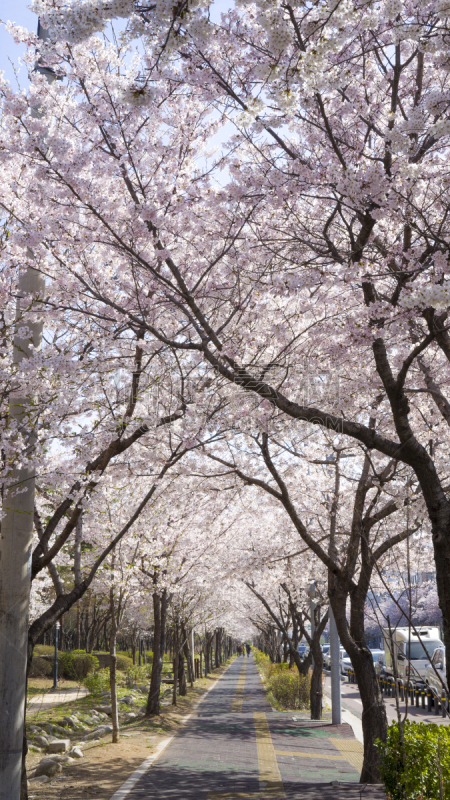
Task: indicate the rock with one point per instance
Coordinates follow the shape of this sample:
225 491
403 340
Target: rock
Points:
76 752
128 699
97 733
105 709
59 745
47 767
58 729
129 716
63 759
105 694
33 749
143 689
39 779
41 741
35 729
48 728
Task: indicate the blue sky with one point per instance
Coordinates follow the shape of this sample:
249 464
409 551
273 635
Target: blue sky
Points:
16 11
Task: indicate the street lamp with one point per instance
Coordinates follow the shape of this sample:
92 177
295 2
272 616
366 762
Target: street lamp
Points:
336 709
55 663
312 608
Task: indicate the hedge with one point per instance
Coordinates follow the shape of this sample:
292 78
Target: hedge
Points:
419 769
77 665
40 668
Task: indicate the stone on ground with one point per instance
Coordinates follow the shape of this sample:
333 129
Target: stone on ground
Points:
47 767
59 746
41 741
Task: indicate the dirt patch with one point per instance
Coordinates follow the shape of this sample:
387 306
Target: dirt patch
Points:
106 766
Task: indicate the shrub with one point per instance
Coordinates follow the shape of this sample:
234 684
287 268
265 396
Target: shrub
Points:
137 675
40 668
288 687
45 650
124 663
98 682
415 770
263 662
77 665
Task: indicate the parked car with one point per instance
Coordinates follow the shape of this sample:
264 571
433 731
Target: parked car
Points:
346 664
325 649
379 660
303 649
437 681
327 658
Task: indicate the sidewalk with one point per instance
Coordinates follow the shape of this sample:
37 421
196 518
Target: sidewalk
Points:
51 699
235 746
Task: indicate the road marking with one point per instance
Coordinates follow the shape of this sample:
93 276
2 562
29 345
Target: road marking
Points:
238 698
352 750
126 787
269 773
309 755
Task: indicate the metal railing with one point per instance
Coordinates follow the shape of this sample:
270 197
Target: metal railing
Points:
420 695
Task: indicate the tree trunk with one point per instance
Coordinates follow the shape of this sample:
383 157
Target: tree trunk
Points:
217 650
175 665
316 679
181 674
374 721
113 669
160 604
189 657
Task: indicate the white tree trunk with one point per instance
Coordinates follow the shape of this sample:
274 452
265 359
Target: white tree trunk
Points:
15 573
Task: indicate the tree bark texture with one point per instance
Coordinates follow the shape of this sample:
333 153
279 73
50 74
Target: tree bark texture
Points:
160 605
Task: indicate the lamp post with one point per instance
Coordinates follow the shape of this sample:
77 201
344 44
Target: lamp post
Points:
55 662
312 608
336 709
139 644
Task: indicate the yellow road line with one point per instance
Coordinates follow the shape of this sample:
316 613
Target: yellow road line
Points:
269 774
309 755
352 750
236 704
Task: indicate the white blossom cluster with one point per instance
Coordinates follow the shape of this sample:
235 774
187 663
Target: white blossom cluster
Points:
432 295
77 20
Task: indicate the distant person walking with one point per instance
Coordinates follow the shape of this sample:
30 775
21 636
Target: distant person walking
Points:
248 648
239 650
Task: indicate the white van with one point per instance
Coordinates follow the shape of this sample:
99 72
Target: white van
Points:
437 681
409 656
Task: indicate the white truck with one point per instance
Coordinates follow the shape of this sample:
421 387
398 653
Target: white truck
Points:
408 656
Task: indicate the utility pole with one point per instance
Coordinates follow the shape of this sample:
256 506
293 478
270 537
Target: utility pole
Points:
336 705
15 546
312 608
55 660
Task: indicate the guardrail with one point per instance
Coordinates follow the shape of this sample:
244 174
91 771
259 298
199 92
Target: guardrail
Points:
420 695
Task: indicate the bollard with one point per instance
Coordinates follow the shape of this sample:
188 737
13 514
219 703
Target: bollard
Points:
429 700
436 705
424 694
402 692
417 698
444 706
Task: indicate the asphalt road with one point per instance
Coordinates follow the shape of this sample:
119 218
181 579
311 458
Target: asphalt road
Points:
351 701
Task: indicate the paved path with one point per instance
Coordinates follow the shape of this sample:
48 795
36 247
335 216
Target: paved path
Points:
40 702
235 746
